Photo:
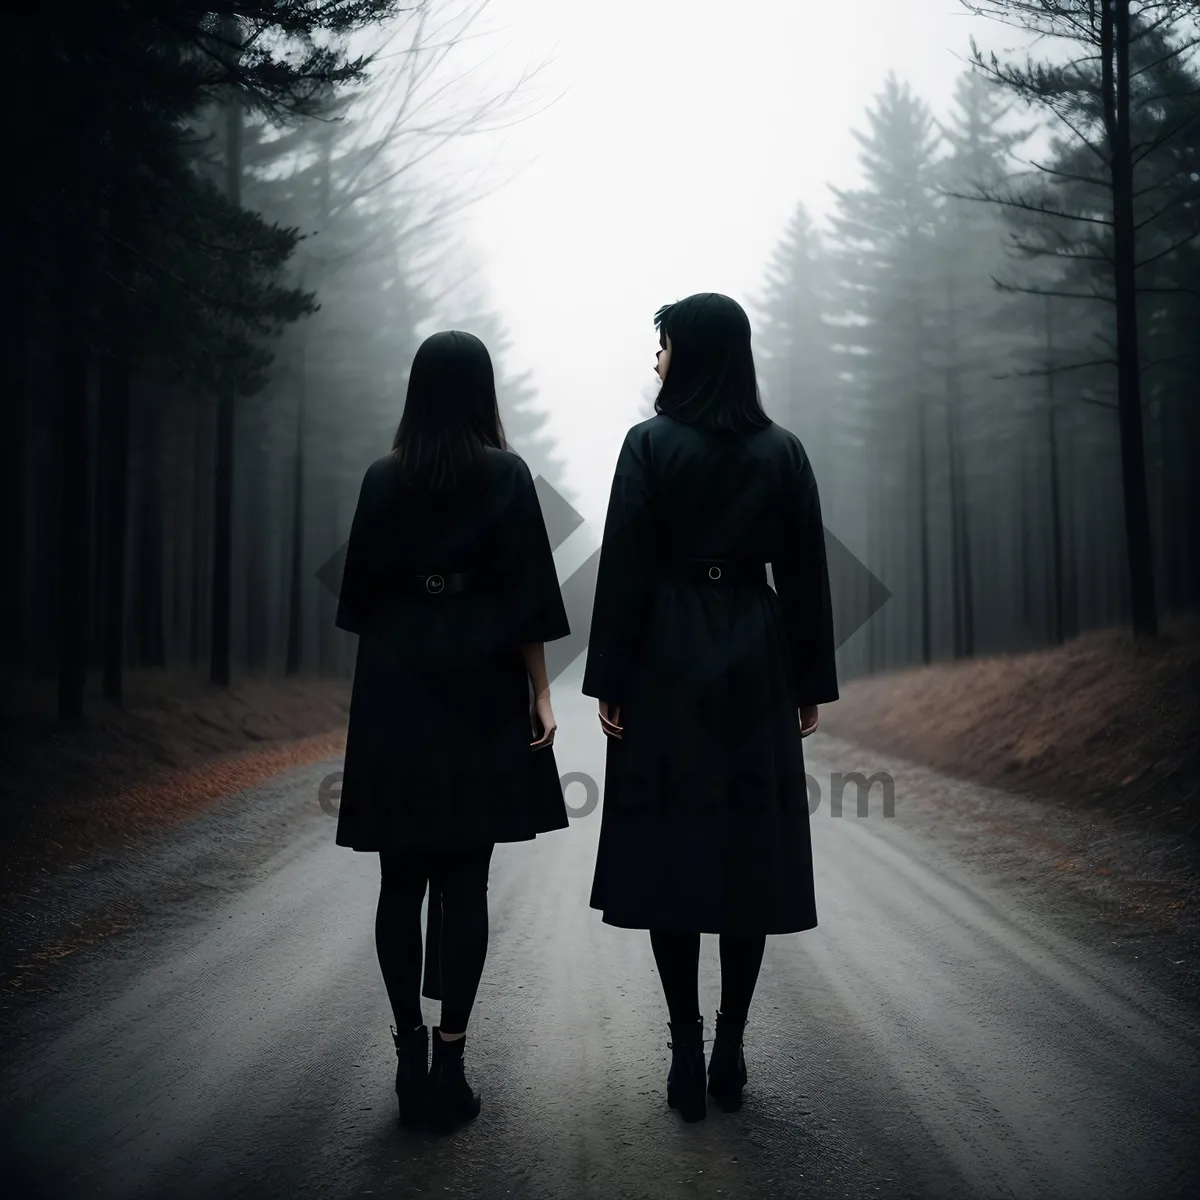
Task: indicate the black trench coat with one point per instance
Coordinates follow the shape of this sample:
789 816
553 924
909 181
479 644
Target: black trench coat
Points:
438 743
705 821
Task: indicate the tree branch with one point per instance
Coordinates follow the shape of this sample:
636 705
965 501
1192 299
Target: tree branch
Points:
1104 183
1033 291
1148 148
1191 237
1033 208
1042 372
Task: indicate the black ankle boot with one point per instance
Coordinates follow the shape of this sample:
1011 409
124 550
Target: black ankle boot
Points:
451 1101
412 1073
685 1082
727 1066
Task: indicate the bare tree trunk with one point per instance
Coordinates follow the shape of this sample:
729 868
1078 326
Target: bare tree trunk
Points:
222 577
1056 523
1115 44
149 631
926 590
115 398
873 541
295 642
19 436
195 639
923 516
72 356
964 536
1070 536
960 559
1026 555
327 507
255 543
181 528
1055 495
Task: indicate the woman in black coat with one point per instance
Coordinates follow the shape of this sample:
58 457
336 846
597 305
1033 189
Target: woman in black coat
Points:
450 582
707 680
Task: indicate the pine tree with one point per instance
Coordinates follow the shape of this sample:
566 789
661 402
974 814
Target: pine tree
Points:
798 371
802 386
977 419
101 93
1104 99
523 416
891 310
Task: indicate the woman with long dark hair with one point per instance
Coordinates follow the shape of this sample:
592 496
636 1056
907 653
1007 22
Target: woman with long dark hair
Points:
707 680
450 582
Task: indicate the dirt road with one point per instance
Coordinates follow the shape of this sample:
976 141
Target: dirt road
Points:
223 1031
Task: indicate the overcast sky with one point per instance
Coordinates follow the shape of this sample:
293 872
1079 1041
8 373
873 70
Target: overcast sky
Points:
688 131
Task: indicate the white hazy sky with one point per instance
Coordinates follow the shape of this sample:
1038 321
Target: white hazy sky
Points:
687 132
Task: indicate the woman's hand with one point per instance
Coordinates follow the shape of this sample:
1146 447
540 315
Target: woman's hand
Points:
542 717
610 720
808 719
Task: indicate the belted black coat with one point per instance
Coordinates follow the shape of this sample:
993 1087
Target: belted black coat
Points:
705 819
438 743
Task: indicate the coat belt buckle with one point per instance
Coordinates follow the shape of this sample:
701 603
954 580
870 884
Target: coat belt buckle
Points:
434 584
714 572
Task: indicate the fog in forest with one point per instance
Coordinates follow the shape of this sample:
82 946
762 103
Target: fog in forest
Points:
1000 403
911 859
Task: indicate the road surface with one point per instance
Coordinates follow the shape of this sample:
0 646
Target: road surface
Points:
224 1030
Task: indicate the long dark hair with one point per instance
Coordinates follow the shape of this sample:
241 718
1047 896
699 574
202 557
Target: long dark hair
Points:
711 382
450 413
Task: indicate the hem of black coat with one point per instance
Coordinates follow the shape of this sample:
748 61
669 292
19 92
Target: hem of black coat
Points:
602 691
809 691
449 841
533 637
633 923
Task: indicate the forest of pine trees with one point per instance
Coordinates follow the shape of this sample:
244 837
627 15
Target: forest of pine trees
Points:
952 345
225 245
223 253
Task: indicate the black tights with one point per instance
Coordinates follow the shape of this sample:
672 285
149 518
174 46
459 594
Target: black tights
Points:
678 959
458 875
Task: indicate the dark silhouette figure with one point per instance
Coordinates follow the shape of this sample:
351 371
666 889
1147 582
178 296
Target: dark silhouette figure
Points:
700 668
450 582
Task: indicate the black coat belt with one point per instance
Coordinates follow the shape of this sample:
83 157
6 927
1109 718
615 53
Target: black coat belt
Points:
435 584
717 571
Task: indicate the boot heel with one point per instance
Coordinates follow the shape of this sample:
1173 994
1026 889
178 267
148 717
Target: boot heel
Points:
727 1066
451 1101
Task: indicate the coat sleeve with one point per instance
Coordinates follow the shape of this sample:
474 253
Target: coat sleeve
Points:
538 612
624 579
801 577
354 594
